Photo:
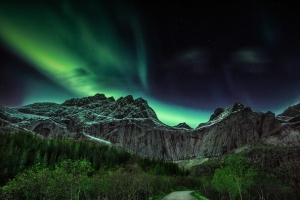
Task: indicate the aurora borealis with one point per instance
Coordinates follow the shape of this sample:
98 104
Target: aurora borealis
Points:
185 59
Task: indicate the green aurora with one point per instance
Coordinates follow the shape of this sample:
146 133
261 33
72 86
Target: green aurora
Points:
87 54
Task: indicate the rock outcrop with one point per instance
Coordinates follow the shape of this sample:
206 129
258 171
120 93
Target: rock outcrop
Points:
131 124
183 125
292 111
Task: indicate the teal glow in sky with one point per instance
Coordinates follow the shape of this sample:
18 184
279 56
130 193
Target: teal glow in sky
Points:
68 48
84 51
186 59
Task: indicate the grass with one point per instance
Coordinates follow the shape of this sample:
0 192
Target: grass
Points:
159 197
198 196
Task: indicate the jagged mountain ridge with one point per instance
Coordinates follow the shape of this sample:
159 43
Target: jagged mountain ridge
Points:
183 125
133 125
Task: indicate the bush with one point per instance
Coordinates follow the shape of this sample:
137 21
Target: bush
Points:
77 180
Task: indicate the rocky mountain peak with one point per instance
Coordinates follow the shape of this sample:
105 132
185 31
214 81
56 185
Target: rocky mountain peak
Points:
133 125
125 100
238 107
141 103
291 111
86 100
134 108
183 125
217 113
220 113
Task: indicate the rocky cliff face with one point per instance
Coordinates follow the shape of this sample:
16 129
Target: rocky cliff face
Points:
292 111
133 125
183 125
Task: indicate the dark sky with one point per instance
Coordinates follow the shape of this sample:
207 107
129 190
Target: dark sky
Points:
186 58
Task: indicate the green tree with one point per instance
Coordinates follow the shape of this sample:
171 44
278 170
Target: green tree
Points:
23 160
37 159
236 177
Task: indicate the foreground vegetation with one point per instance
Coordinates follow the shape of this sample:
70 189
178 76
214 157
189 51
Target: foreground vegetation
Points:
197 195
20 151
77 180
235 177
36 168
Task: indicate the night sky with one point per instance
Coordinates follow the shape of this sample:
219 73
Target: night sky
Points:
185 58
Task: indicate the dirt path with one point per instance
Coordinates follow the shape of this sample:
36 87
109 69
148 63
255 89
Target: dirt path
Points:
180 195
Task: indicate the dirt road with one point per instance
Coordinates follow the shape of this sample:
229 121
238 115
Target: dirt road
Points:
180 195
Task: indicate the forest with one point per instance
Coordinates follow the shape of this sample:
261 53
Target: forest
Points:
32 167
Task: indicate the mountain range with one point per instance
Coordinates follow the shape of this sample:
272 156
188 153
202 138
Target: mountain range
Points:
133 125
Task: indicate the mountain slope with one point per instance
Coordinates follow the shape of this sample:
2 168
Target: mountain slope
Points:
133 125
